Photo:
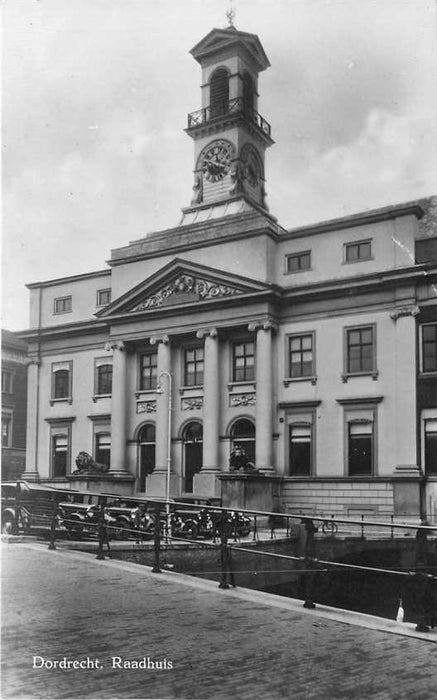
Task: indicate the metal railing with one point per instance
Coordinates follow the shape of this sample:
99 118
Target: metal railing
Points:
237 105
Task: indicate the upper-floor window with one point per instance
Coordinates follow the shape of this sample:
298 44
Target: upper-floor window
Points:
301 356
103 379
7 381
103 297
429 347
360 350
243 362
219 92
193 366
62 305
148 371
61 380
360 250
297 262
431 446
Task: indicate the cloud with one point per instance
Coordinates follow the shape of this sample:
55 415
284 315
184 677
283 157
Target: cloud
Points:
392 160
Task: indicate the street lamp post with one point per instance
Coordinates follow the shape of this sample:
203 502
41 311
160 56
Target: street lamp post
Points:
167 483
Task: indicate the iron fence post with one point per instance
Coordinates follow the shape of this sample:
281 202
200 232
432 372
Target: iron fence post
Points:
102 535
52 544
157 540
308 562
225 553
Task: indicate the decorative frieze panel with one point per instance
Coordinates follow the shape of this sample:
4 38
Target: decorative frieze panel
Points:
192 404
186 288
242 400
146 406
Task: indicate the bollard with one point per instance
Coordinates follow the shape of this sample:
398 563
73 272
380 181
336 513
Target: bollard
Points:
225 553
310 529
52 544
157 539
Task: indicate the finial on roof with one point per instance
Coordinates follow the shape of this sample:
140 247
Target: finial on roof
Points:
230 14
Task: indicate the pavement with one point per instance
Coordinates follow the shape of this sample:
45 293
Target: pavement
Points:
147 636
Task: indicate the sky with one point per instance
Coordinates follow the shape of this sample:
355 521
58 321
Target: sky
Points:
95 100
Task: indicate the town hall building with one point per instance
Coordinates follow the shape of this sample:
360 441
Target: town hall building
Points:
313 349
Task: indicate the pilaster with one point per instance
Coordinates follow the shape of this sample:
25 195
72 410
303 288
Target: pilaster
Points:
264 395
31 470
118 407
205 480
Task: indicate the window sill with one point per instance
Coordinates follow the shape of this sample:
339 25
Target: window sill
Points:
145 393
67 399
192 387
297 272
345 377
432 374
250 384
100 396
353 262
291 380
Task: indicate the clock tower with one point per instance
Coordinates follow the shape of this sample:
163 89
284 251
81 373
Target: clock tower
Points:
230 136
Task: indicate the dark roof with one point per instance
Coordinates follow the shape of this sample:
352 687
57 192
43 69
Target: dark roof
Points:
11 340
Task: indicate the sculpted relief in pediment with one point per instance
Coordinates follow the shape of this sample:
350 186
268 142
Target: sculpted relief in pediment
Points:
186 289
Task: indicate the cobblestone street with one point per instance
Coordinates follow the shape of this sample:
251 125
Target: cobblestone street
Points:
221 644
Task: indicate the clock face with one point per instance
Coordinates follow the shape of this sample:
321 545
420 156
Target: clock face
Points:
216 161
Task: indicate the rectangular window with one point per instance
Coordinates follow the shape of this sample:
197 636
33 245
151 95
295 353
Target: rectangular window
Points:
61 380
360 350
59 455
148 371
431 446
103 297
104 380
6 430
7 381
300 449
62 305
298 261
193 366
429 347
243 362
356 252
103 448
360 448
301 356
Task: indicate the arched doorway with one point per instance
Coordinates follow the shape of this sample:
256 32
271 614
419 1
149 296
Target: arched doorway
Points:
243 434
193 448
146 453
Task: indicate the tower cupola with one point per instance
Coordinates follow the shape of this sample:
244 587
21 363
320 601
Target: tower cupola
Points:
230 135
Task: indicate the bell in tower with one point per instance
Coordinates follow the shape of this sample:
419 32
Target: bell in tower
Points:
230 135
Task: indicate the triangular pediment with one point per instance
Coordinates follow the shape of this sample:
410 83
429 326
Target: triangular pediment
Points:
182 283
219 39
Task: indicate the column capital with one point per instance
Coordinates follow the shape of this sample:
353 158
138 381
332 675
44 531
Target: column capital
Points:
115 345
265 325
404 311
32 361
212 332
156 339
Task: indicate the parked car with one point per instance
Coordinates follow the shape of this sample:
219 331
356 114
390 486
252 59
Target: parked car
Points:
27 506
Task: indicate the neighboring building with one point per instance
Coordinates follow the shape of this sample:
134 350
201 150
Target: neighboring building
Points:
304 346
14 405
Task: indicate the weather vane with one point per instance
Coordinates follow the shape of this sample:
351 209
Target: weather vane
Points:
230 14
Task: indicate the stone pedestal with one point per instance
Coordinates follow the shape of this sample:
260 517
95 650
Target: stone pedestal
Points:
103 483
206 483
156 485
252 492
407 491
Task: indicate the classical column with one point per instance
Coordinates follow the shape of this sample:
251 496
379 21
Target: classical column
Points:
264 395
118 407
162 402
31 471
211 400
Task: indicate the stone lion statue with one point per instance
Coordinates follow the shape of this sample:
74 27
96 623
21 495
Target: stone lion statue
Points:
85 463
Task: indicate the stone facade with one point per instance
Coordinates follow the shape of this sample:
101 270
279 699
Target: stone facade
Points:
302 346
14 405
